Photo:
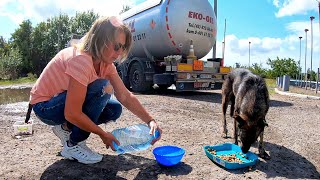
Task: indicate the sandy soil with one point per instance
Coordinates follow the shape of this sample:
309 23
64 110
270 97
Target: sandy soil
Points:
189 120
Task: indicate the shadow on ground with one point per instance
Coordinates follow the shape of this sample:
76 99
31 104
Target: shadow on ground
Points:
284 163
274 103
114 167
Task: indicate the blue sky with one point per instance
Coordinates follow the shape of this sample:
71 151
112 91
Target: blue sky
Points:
272 26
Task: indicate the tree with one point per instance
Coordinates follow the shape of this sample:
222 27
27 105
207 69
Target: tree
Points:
282 67
125 8
22 41
11 64
82 22
40 52
257 69
4 46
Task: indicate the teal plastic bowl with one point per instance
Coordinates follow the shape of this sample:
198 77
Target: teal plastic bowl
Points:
168 155
248 159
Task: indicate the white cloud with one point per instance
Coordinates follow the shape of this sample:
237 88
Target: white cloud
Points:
293 7
261 49
40 10
276 3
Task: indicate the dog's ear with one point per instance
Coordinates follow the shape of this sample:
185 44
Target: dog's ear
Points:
240 121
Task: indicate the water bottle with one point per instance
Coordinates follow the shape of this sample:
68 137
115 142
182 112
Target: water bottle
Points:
133 138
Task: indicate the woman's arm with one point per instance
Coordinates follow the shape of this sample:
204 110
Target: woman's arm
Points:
76 94
128 99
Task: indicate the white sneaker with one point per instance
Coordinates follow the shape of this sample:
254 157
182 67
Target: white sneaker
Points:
94 155
79 153
63 135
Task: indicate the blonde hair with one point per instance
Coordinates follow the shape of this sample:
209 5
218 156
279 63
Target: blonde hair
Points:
103 32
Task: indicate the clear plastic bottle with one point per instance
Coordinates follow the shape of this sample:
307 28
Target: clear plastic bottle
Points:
133 138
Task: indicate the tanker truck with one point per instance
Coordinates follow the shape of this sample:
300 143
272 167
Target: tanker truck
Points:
169 39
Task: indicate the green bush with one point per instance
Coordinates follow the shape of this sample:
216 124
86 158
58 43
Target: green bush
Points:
10 65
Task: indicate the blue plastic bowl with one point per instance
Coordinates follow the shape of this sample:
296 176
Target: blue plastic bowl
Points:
168 155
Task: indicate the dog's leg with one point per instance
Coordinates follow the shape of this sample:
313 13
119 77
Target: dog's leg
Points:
262 153
232 100
235 132
226 93
225 101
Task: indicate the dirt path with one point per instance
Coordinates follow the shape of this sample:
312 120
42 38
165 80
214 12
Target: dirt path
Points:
191 121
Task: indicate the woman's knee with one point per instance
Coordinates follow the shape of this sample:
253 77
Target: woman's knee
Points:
112 111
98 85
117 111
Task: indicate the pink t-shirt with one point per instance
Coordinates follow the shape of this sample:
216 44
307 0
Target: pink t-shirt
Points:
56 75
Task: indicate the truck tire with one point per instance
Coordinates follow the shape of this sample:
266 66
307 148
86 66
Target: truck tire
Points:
122 73
137 79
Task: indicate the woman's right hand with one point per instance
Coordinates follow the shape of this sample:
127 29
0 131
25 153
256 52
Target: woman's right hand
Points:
107 139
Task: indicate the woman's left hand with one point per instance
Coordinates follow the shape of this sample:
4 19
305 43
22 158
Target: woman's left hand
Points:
153 128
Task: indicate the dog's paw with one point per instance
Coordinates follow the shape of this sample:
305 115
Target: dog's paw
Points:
264 155
224 133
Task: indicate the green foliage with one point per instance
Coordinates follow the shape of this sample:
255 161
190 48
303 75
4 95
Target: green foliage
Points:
58 33
40 52
282 67
18 81
11 64
125 8
22 42
279 67
271 84
257 69
32 76
312 75
39 45
82 22
4 46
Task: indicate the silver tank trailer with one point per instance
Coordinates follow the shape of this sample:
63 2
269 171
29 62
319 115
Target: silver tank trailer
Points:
165 27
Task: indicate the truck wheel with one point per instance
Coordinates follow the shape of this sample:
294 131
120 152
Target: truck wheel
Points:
123 76
137 79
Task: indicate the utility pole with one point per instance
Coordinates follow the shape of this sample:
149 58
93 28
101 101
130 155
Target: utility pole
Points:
305 59
249 53
311 19
214 48
318 72
300 78
224 41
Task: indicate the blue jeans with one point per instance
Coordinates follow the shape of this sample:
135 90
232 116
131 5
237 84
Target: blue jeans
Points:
97 106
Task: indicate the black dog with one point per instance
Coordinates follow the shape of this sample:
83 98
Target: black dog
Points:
249 98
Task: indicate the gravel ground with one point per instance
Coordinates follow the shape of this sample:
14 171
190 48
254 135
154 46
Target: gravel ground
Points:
189 120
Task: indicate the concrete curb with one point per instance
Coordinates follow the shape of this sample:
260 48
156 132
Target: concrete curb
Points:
296 95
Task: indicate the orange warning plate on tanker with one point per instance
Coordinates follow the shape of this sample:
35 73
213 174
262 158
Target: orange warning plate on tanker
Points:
184 67
197 65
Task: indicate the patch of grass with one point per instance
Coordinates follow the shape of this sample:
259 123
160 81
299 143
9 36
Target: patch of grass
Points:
271 84
22 80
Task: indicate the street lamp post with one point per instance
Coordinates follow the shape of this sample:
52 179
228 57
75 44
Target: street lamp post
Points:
318 75
305 59
299 77
214 48
249 53
311 19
